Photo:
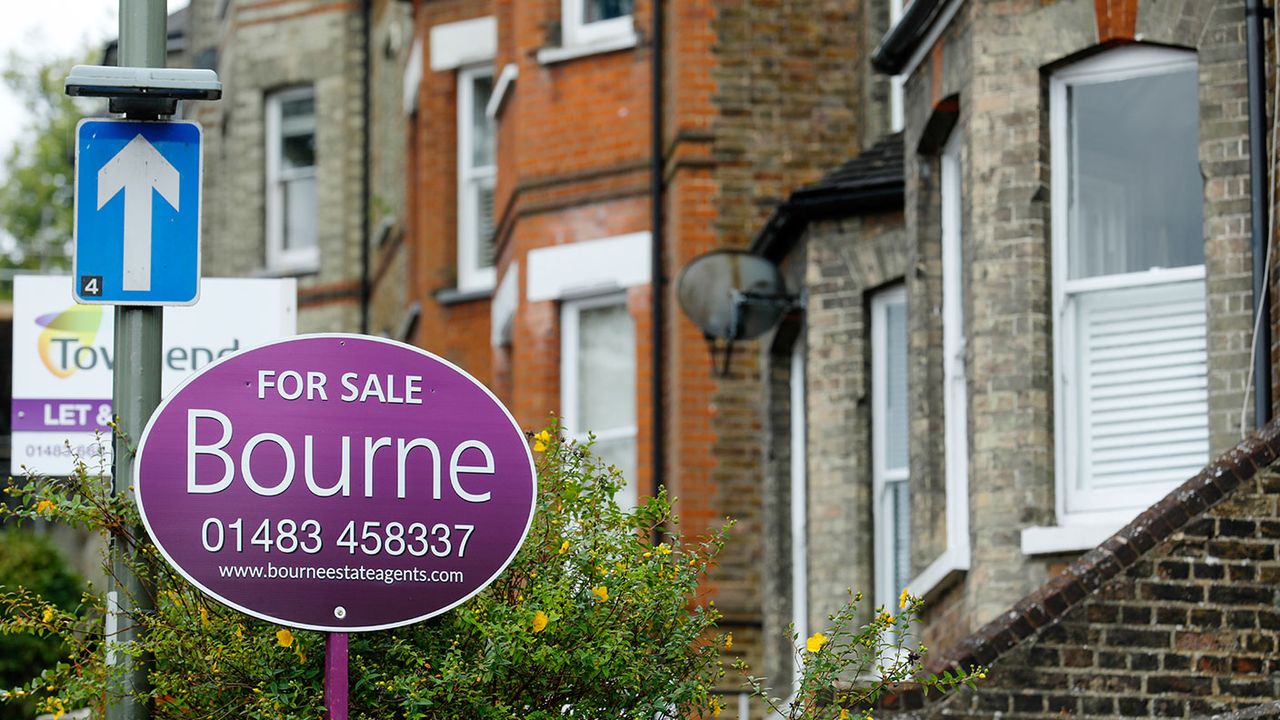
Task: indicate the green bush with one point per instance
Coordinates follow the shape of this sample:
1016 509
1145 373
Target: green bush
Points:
29 564
594 618
847 667
598 616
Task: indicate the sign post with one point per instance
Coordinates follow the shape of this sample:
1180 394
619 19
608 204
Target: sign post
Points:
136 392
133 170
335 676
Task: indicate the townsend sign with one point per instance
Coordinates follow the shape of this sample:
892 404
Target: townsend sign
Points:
336 482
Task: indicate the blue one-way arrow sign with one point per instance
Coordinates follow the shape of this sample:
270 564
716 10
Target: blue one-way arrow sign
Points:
137 212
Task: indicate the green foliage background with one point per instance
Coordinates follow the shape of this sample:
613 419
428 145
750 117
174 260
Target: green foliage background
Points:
36 196
30 562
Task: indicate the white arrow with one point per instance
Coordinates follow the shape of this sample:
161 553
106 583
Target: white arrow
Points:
136 170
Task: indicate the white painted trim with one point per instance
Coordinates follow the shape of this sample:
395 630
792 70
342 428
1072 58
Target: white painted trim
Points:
588 267
940 575
1124 63
471 180
897 103
552 55
926 46
1154 276
1110 66
1038 540
412 79
897 112
278 260
799 504
576 31
502 310
506 81
954 349
463 43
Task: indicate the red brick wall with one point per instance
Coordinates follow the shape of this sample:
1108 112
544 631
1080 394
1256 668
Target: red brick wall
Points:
458 332
573 165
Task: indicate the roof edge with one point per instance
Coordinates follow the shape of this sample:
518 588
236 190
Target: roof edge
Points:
788 221
1054 599
898 45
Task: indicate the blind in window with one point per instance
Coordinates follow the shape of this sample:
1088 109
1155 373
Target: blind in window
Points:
1143 395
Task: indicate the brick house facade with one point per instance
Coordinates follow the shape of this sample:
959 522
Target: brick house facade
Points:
1021 451
753 101
284 177
500 213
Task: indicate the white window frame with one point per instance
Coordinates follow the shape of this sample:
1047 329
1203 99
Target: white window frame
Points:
471 181
570 423
955 399
576 32
278 258
799 505
1111 66
883 524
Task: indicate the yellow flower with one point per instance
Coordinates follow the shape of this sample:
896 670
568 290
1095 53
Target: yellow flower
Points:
48 614
284 638
540 441
240 631
601 593
844 714
204 615
663 549
815 642
564 547
715 707
540 621
728 641
44 506
903 598
885 617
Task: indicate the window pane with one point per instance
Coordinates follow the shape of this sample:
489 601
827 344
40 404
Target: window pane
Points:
1136 195
620 452
484 223
900 506
606 369
298 107
298 151
895 411
597 10
299 213
481 125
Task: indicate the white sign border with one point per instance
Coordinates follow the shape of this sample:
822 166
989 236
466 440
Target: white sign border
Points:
137 487
75 215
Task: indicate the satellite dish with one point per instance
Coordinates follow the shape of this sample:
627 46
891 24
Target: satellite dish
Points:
733 294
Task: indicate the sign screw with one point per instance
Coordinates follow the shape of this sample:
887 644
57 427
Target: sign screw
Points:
340 612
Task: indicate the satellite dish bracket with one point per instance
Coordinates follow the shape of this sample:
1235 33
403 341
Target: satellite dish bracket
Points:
783 302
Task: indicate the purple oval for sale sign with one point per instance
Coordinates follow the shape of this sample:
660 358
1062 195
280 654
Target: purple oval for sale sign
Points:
336 482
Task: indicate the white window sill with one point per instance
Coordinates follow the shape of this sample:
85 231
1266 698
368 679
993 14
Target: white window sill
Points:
613 43
290 269
1057 539
459 295
940 575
